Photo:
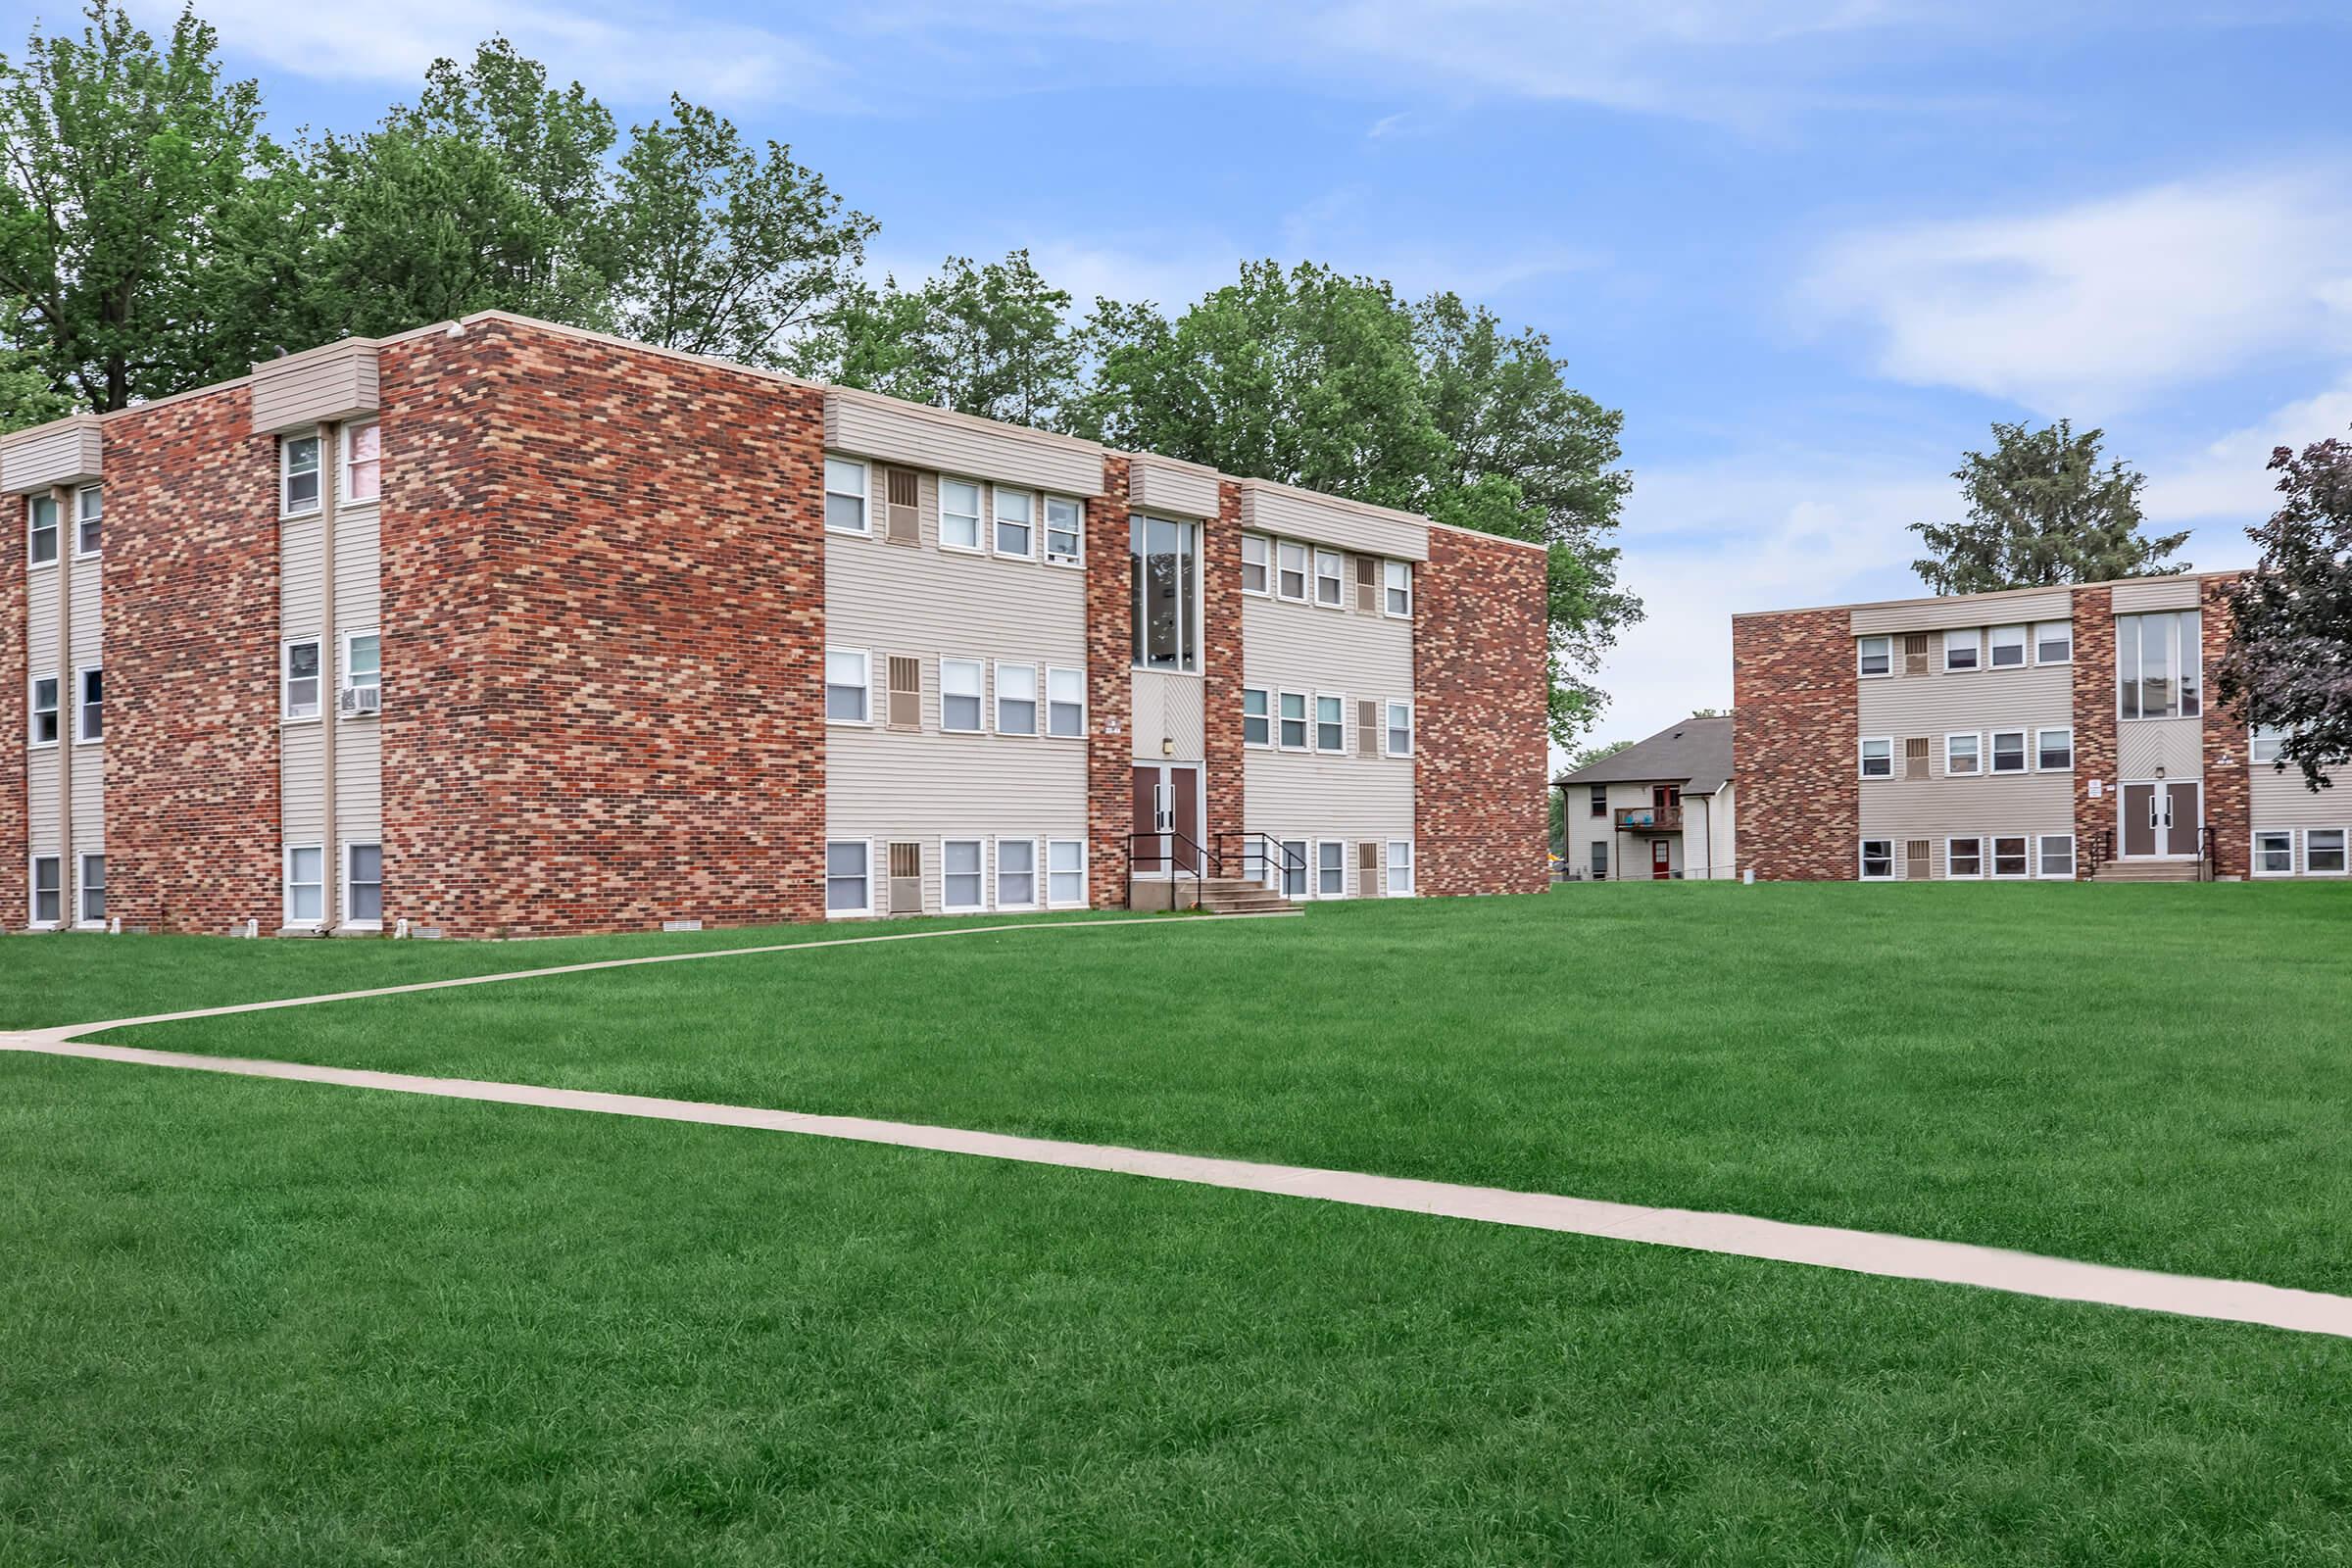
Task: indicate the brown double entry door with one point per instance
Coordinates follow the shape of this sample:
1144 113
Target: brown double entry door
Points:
2161 819
1167 819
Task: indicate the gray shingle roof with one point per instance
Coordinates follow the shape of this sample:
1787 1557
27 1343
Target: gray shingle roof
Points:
1695 752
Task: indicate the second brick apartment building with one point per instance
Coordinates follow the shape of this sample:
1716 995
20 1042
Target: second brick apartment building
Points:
498 627
2038 733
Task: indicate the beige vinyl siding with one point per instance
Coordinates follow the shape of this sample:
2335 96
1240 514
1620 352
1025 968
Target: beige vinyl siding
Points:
1722 831
1157 484
302 780
1327 520
2033 803
40 798
87 633
927 604
358 569
2163 593
335 382
1966 610
301 613
862 424
2280 800
1931 704
1299 648
1167 706
2144 744
89 800
41 646
90 623
359 782
64 450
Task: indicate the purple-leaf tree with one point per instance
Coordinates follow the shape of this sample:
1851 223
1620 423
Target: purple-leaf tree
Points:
2290 663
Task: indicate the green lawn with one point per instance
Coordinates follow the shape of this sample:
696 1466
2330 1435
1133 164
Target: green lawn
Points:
283 1325
2158 1076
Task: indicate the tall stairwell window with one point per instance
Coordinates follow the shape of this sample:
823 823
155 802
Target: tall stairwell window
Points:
1163 572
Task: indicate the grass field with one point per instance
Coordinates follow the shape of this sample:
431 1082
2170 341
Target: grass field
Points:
268 1323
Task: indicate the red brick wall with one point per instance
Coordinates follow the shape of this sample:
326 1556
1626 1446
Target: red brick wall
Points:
190 623
1221 664
1795 714
16 827
2228 791
602 620
1479 807
1109 689
2094 726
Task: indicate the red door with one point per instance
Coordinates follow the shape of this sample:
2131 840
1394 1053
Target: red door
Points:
1662 860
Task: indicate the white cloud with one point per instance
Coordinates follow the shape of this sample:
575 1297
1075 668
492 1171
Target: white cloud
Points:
2224 486
2095 306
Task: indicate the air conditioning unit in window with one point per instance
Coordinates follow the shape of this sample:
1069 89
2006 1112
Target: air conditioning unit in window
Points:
363 699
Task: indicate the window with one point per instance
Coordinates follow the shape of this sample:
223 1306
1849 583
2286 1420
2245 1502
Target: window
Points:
1164 572
44 709
362 463
1331 724
1065 874
1062 528
1397 575
1401 729
1292 708
2273 854
90 706
1065 703
845 496
961 882
89 510
1964 859
1961 647
305 884
2008 645
1015 511
1601 799
1877 656
1330 868
848 886
1960 755
1295 868
1290 580
2264 742
1256 549
2009 857
2057 856
1400 869
1878 756
48 897
1601 860
2324 851
1255 720
849 678
302 678
41 529
91 886
1331 585
2008 751
2055 642
1016 699
2055 750
1016 874
364 884
1878 860
298 474
2157 665
960 701
362 660
958 515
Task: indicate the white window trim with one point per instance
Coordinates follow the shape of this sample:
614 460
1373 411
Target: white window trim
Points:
1413 728
2037 732
32 892
983 525
1978 875
866 656
344 446
945 908
1306 573
978 664
2073 864
343 904
866 517
1045 704
1862 758
287 884
1306 743
81 708
80 553
1885 674
285 472
1035 525
2034 630
2305 848
825 881
1388 864
2253 742
2254 851
1862 861
1964 734
2025 648
58 551
996 872
1387 566
2025 752
1314 868
1037 701
81 886
1314 724
1316 558
343 681
1085 877
1992 858
1950 668
32 684
1044 508
2181 672
286 680
1272 735
1266 542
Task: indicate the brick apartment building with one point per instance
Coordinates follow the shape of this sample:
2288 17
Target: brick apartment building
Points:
505 628
2038 733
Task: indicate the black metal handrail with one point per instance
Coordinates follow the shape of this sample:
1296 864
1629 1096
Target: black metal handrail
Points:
2101 850
2204 852
1169 859
1284 856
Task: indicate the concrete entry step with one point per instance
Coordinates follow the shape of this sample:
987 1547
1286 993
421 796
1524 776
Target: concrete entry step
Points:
2146 871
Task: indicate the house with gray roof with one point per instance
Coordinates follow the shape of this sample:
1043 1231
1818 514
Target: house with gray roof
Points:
1660 808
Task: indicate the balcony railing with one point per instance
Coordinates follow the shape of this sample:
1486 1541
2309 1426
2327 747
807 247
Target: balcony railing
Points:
1649 820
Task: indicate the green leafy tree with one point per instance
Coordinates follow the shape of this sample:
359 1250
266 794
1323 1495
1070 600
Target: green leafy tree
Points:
2042 512
990 339
2289 662
127 167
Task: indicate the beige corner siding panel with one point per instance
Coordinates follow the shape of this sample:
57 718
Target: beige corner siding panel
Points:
335 382
1329 520
1966 610
2160 593
65 451
1979 699
1163 485
864 425
1167 707
2174 746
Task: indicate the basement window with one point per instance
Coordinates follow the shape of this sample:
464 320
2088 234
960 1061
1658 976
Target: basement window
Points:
48 891
305 884
1878 860
846 883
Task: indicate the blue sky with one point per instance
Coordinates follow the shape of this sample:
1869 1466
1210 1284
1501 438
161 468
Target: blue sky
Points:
1812 249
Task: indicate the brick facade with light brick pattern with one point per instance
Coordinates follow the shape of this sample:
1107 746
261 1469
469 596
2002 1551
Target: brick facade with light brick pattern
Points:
2094 717
2228 791
1481 814
1221 666
1795 711
1109 690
